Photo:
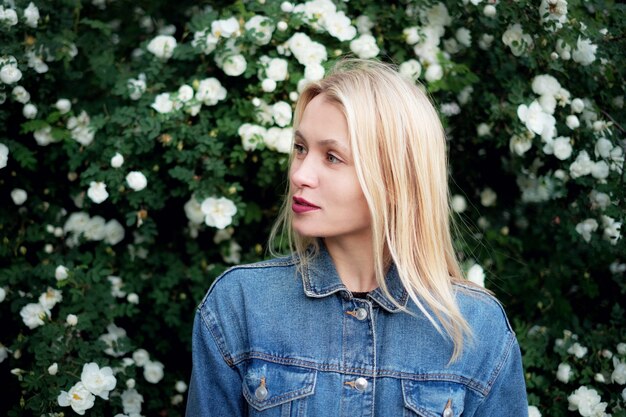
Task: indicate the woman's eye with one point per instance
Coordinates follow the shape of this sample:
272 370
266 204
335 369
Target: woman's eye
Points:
298 149
333 159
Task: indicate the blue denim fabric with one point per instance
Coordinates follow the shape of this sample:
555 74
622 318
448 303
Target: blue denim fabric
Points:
270 342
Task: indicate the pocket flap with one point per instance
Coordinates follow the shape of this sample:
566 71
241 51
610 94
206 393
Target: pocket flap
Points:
430 398
269 384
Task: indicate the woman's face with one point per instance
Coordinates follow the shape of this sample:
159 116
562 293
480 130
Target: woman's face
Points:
327 198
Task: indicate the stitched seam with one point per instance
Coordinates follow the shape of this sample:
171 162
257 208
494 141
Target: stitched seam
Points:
477 386
217 339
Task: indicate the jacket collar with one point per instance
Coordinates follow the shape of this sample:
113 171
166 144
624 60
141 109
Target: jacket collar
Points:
320 279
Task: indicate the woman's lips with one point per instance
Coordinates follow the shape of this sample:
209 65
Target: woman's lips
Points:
300 205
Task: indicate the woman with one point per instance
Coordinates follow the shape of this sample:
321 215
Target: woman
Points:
370 316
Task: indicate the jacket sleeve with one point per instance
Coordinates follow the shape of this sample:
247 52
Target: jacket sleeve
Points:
507 396
215 389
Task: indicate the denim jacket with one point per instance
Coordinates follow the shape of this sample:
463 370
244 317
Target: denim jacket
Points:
271 342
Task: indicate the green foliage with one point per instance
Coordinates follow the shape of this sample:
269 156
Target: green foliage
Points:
140 261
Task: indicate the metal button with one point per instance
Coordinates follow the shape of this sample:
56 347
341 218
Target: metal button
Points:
447 412
261 393
361 313
361 384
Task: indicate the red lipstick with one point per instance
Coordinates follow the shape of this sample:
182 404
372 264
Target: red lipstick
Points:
300 205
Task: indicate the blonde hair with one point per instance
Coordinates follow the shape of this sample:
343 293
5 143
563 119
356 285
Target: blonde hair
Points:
399 151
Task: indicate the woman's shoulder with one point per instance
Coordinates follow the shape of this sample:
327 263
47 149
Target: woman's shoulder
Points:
481 308
252 278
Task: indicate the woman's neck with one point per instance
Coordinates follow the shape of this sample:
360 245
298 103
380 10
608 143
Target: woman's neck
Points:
354 262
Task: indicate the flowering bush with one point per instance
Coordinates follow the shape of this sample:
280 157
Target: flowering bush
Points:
143 151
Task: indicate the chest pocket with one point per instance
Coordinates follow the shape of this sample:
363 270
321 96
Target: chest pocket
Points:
433 398
274 390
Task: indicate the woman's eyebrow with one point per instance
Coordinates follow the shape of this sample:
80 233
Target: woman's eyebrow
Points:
326 142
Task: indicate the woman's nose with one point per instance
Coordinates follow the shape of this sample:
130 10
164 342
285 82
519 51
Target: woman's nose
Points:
304 173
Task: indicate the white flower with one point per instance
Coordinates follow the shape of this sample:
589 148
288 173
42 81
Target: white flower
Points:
611 229
464 36
411 69
78 397
621 348
268 85
599 200
29 111
562 148
117 160
163 103
364 46
205 41
132 298
31 15
281 112
53 369
97 191
434 72
277 69
20 94
33 315
10 73
490 11
603 148
185 93
520 144
153 371
485 41
98 381
225 28
71 320
600 170
556 11
4 155
411 35
81 131
577 350
61 273
193 211
141 357
113 232
581 166
3 294
43 136
314 72
515 38
136 180
458 203
219 211
545 85
137 86
63 105
564 372
110 339
533 411
210 91
50 298
251 135
162 46
577 105
476 274
338 25
488 197
234 65
95 228
585 228
18 196
116 286
585 52
535 118
572 122
180 386
263 28
587 402
131 401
